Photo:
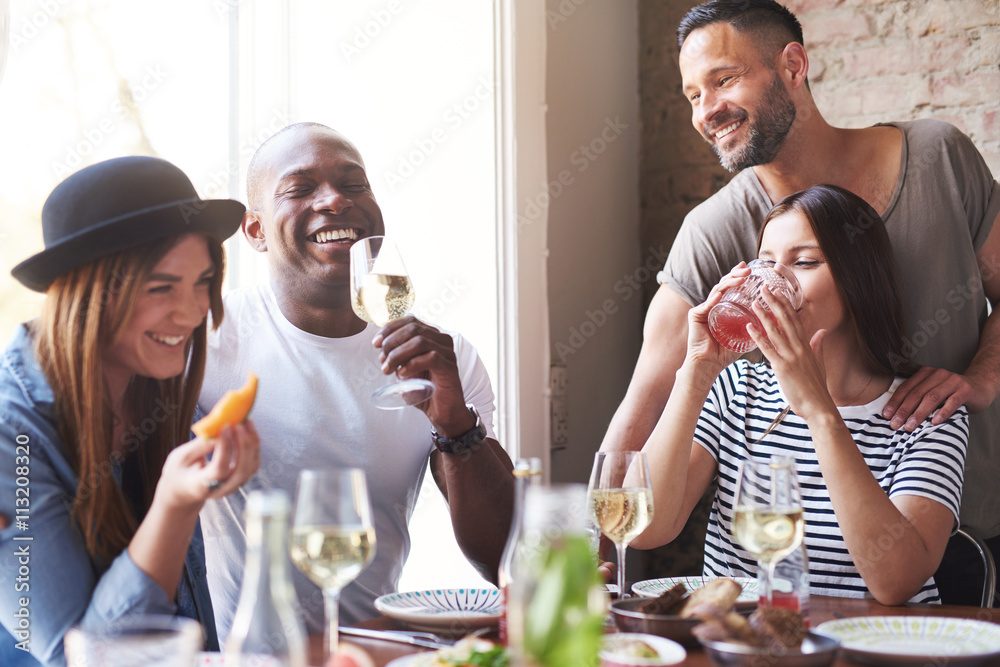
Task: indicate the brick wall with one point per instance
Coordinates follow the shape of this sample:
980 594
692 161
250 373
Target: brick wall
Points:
870 60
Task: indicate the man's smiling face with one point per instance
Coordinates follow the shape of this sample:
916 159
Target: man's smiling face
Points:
739 104
315 202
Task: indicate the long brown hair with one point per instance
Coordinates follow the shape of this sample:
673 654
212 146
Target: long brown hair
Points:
852 236
84 312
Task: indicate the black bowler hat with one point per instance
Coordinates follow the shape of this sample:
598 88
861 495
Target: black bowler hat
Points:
118 204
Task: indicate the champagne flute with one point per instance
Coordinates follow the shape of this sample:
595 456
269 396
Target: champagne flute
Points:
333 537
767 520
381 291
622 508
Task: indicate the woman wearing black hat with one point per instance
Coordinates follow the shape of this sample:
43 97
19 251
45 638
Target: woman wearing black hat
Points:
96 397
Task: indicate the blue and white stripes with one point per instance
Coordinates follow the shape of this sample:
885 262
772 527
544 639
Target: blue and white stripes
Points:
743 402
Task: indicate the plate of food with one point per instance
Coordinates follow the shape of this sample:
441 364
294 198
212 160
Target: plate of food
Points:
652 588
675 613
916 640
771 636
628 649
455 611
468 651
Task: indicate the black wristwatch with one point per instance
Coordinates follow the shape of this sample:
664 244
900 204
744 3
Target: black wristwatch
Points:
466 441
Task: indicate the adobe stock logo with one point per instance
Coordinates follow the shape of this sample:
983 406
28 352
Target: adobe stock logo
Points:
453 118
121 109
370 30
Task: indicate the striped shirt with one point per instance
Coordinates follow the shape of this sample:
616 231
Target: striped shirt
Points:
746 398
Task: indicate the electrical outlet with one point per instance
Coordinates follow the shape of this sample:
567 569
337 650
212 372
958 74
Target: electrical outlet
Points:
557 380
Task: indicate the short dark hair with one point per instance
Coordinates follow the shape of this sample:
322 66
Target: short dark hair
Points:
853 239
771 25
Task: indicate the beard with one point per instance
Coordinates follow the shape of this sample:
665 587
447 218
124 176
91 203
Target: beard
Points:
767 132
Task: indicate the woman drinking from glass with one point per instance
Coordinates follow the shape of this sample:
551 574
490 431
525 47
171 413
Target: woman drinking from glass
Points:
879 504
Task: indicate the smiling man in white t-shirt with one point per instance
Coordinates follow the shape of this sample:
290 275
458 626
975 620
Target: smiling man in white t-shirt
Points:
318 363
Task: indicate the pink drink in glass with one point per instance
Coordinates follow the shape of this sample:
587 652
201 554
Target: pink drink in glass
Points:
728 319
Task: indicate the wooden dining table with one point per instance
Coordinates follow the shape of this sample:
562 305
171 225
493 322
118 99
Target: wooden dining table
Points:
821 609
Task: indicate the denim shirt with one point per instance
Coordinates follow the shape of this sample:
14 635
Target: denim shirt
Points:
48 581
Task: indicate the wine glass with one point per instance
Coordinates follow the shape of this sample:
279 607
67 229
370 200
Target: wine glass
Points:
622 508
381 291
333 537
767 519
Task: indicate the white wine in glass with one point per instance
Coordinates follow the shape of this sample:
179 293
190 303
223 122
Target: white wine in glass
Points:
333 536
381 291
621 501
767 519
332 557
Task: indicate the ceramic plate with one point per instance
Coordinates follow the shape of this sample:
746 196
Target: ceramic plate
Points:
415 660
457 654
652 588
916 640
452 610
667 652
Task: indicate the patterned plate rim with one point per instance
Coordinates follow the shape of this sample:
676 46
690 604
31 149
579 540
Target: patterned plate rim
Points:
644 588
837 629
389 604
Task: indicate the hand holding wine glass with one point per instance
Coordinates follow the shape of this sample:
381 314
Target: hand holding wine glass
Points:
382 291
767 519
333 537
622 508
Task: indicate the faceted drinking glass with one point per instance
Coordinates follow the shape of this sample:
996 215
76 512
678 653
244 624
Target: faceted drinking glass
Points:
728 319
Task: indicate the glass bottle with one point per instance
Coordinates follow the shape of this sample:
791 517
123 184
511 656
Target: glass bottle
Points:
791 583
267 630
526 473
556 602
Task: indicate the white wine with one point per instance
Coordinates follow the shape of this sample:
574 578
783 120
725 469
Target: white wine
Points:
381 298
622 514
769 534
331 556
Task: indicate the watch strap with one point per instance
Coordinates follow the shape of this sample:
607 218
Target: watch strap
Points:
464 442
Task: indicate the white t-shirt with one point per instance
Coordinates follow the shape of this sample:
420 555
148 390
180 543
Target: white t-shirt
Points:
746 398
313 410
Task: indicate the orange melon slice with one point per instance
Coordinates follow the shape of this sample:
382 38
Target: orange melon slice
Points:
232 408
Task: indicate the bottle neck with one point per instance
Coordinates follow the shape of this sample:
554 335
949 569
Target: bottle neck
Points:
267 559
522 480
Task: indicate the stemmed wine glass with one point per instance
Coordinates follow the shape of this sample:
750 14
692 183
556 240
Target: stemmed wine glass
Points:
333 537
622 508
381 291
767 520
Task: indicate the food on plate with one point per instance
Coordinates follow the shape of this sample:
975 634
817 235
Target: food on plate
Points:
724 626
779 626
232 408
636 649
350 655
667 604
719 594
767 627
471 652
628 649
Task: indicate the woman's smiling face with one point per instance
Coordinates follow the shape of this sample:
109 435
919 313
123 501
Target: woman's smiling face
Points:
789 239
172 303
